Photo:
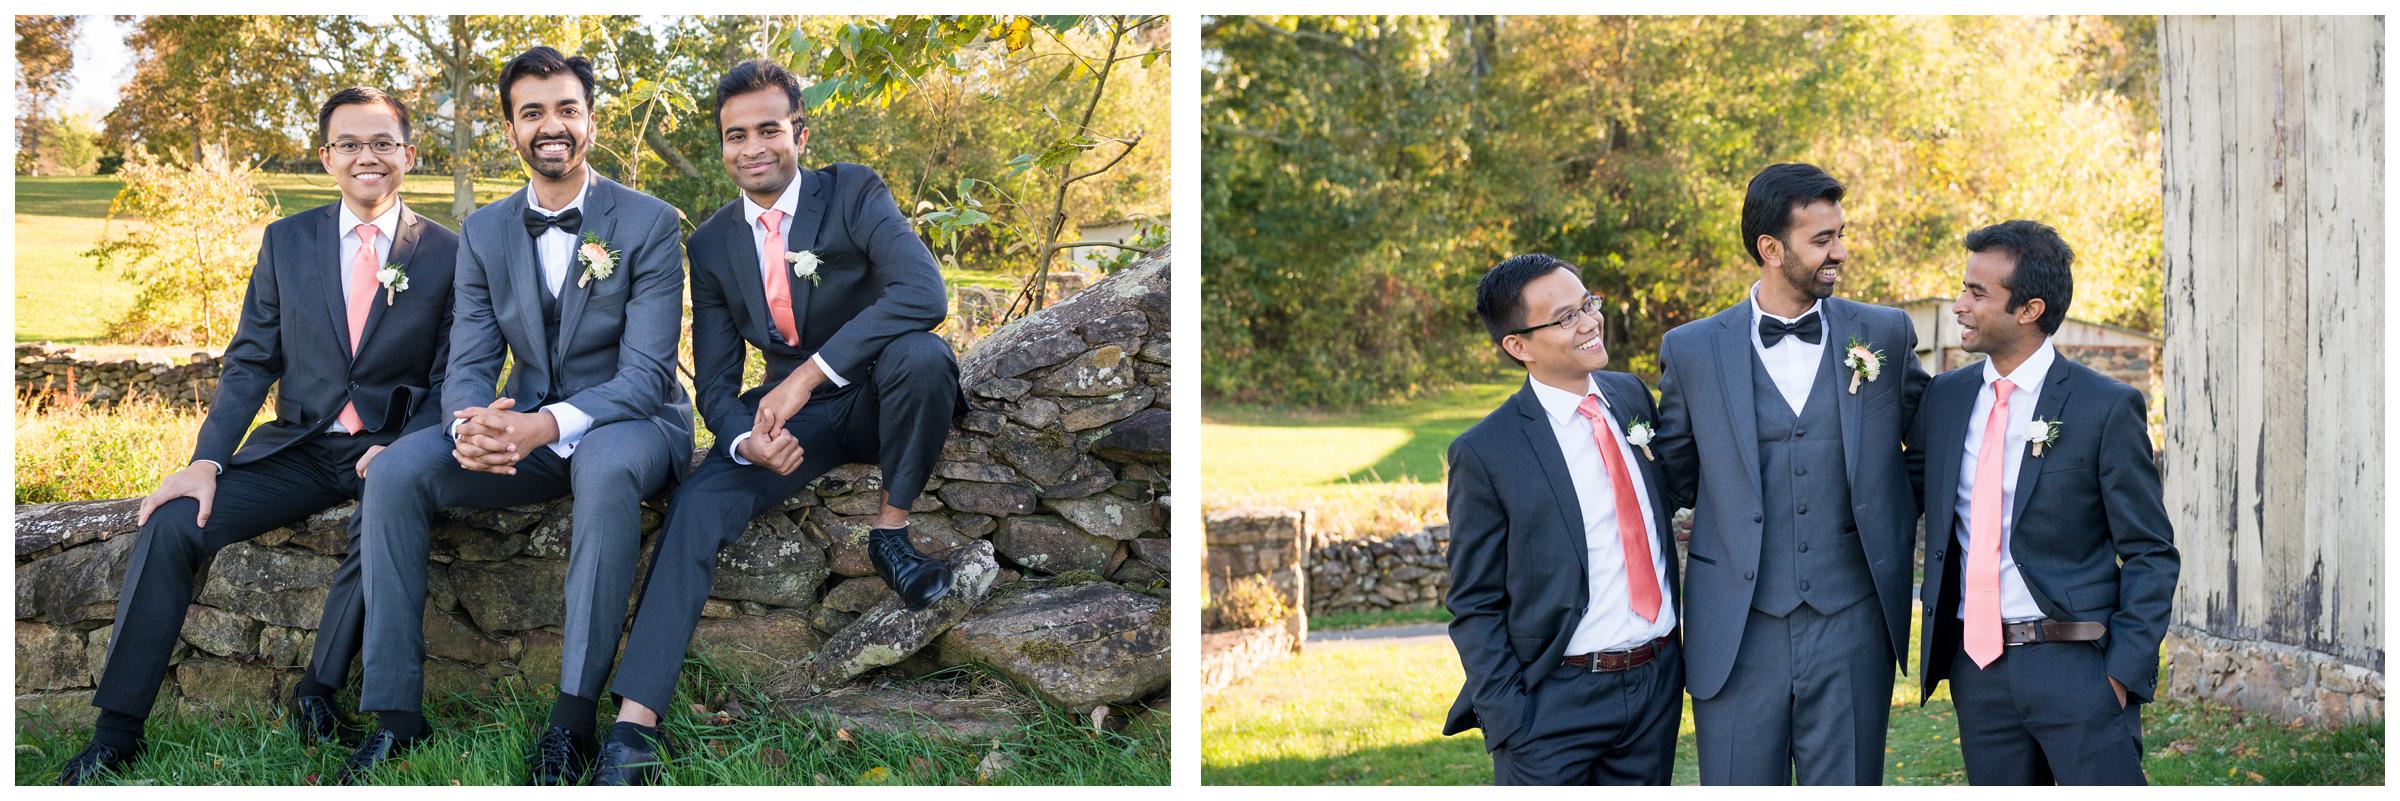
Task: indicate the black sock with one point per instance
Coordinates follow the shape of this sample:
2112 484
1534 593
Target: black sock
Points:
309 687
406 725
574 713
119 731
633 734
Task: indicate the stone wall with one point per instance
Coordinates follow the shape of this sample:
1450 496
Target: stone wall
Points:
1245 545
1062 469
2278 680
44 370
1404 571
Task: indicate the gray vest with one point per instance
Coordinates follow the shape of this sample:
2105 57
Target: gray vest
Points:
1808 548
550 305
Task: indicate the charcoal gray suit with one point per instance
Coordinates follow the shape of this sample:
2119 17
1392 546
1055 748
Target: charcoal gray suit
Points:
869 317
294 336
1803 532
1520 586
2091 540
607 349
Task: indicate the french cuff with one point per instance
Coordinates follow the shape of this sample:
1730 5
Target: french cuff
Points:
220 466
735 450
827 369
572 423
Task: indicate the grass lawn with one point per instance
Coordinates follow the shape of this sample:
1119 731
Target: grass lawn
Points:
1369 472
484 740
1343 621
1371 713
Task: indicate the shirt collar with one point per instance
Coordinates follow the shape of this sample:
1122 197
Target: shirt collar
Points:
534 201
1562 405
2030 373
1757 311
386 224
787 202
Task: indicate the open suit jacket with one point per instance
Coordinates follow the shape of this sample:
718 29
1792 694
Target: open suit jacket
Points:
2090 533
876 281
1707 445
1518 574
295 335
613 356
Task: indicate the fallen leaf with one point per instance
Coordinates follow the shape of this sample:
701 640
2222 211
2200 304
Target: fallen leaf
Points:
875 775
842 735
994 763
920 764
2254 776
775 756
1100 717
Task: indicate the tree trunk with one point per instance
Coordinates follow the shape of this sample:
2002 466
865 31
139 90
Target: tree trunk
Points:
462 180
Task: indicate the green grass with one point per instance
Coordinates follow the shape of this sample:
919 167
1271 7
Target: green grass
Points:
73 452
484 741
1371 713
1367 472
1340 621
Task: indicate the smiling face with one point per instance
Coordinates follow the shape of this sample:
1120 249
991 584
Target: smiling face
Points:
550 125
760 143
1559 355
1985 324
1809 256
368 181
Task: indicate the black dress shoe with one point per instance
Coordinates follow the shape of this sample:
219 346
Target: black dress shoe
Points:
623 765
562 757
96 759
316 720
919 579
379 747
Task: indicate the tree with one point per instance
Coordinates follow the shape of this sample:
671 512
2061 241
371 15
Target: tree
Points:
249 84
191 250
45 70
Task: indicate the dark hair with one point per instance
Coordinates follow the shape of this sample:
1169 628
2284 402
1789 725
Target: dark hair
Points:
1500 297
1774 193
359 96
543 61
2044 267
756 74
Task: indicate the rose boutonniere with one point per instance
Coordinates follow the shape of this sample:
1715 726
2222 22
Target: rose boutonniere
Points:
2042 433
1639 434
394 279
1864 362
598 261
804 265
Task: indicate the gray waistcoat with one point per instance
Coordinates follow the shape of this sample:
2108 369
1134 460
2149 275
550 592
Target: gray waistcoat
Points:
1808 550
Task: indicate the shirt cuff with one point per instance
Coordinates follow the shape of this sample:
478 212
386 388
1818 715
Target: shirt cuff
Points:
220 466
572 423
735 450
827 369
453 429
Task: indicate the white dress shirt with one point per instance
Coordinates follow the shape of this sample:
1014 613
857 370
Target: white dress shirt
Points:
555 252
2016 604
1791 364
788 202
1608 623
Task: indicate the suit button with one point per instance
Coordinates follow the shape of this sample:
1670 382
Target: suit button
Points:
1748 575
1940 554
1800 432
353 386
1757 518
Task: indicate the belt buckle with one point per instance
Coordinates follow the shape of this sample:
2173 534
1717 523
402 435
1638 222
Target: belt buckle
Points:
1591 662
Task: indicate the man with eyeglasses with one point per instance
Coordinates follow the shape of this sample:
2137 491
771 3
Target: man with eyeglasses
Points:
346 316
1780 423
1562 582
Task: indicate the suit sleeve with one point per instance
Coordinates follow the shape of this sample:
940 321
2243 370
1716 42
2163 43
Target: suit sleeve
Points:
1479 596
253 362
475 342
653 326
912 300
1913 380
1678 463
717 350
429 407
2144 542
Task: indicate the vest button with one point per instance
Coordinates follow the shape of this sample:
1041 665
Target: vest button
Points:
1803 586
1749 574
1801 432
1757 518
1803 471
1804 508
1804 547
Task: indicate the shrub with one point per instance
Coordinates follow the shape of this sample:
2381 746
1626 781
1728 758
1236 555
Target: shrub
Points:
192 252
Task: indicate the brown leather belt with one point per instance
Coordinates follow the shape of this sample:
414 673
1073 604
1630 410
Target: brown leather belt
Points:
1614 661
2033 631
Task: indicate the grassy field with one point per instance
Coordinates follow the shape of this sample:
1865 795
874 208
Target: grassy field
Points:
485 740
1369 472
1345 621
1371 713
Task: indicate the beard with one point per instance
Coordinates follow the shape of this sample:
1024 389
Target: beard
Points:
1804 278
553 168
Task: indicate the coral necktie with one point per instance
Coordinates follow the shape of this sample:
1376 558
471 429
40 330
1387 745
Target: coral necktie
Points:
362 298
1641 580
1983 533
779 277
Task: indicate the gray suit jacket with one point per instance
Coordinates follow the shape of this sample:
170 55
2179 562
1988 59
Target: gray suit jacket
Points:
295 336
1518 575
2091 536
614 355
1707 444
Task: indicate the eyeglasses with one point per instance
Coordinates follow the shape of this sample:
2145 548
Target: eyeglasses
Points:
382 147
1571 319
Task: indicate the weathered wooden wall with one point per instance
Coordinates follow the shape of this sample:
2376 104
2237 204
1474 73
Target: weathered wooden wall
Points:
2273 140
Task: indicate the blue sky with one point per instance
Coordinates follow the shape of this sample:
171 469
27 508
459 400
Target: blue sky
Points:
102 65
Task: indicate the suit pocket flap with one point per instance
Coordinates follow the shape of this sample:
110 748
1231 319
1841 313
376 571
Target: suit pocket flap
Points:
2101 595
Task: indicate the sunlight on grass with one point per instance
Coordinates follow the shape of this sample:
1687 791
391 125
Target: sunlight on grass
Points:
1373 471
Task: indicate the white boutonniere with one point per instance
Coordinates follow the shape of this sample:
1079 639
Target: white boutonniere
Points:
394 279
598 261
2042 433
804 265
1639 435
1864 362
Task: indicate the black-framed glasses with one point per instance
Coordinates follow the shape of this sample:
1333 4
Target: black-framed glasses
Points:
381 147
1572 318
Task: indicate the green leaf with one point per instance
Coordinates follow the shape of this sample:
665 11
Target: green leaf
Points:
965 185
816 95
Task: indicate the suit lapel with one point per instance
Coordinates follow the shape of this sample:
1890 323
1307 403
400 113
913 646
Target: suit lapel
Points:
596 220
750 289
1946 445
2029 470
523 272
1620 407
1543 443
404 248
1734 355
1837 333
816 194
325 239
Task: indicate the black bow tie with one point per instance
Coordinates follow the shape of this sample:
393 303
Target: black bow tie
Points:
1809 328
537 223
